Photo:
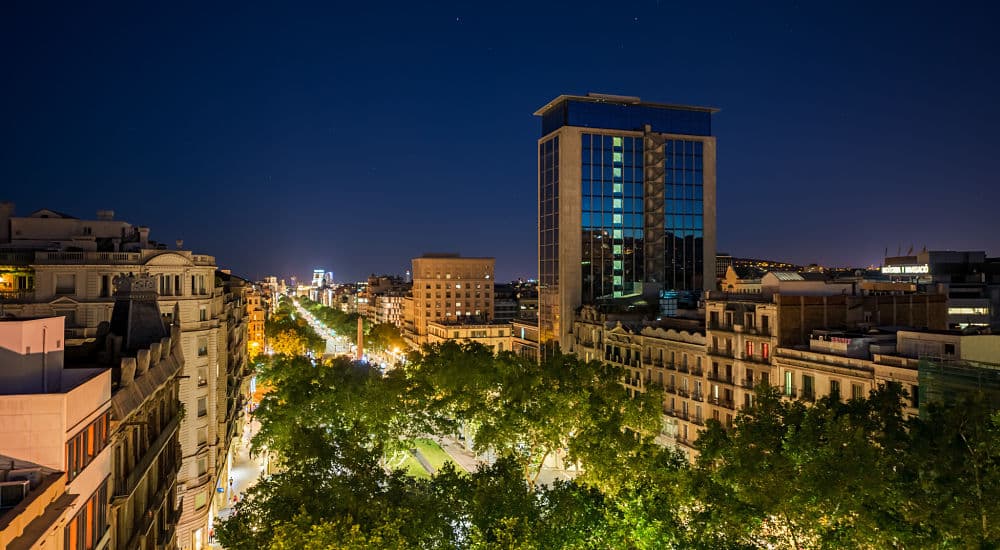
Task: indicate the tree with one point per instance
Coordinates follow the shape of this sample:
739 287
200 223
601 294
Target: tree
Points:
289 334
385 337
563 408
796 476
953 472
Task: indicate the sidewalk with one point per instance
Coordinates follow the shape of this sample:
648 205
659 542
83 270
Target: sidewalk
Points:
245 473
470 462
467 460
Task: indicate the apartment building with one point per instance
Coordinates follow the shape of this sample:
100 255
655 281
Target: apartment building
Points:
387 307
710 366
78 285
668 352
232 391
146 359
496 335
256 318
58 419
449 288
524 337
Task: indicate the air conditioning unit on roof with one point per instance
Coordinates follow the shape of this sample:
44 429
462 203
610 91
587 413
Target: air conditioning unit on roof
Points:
13 492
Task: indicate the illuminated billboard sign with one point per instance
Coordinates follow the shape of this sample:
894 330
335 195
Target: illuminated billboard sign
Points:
905 269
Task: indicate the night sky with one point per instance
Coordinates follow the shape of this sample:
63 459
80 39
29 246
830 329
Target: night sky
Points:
356 137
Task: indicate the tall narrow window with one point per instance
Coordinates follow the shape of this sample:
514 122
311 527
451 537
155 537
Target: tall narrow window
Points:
66 283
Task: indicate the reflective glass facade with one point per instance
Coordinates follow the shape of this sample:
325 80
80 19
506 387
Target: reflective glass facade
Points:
613 116
684 220
611 217
638 175
548 236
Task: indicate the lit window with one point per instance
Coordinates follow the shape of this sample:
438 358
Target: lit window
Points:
617 233
616 141
616 157
968 311
616 172
616 203
617 188
616 219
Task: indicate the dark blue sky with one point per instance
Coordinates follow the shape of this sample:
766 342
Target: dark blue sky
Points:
356 137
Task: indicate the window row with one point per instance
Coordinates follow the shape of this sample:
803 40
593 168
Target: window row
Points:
85 530
83 447
607 204
597 188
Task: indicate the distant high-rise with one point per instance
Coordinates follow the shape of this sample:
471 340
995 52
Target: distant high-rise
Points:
319 277
626 204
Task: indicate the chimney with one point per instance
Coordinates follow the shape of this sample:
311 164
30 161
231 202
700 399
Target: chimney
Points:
143 237
179 243
6 213
128 371
106 215
142 361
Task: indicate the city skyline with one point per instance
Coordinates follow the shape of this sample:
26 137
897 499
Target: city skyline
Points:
829 128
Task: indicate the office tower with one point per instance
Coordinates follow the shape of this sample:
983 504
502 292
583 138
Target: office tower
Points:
626 205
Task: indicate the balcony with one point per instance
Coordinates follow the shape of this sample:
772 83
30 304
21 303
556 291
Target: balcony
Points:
721 327
698 396
755 358
722 402
148 518
125 487
670 389
697 370
17 257
14 296
683 368
698 421
789 391
747 383
720 377
683 392
722 352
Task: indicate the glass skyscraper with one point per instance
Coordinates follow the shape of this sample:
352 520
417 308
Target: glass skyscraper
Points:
626 193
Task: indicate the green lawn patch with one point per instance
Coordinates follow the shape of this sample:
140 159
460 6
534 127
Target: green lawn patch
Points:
434 454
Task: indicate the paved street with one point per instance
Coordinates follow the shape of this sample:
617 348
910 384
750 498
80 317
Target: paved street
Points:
335 345
246 470
469 461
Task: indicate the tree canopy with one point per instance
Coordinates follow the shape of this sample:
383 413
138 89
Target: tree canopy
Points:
833 474
289 334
